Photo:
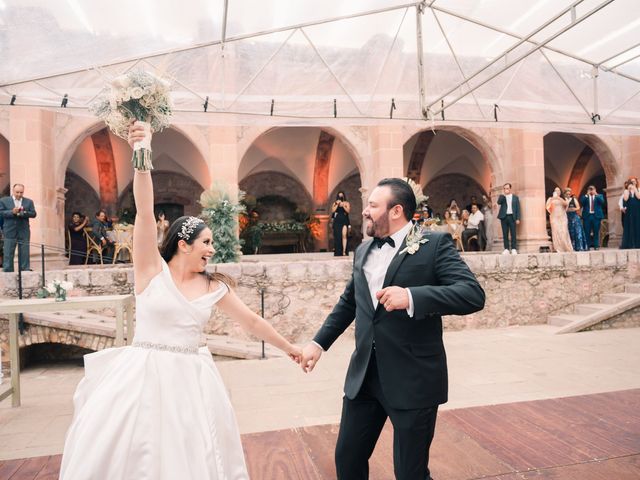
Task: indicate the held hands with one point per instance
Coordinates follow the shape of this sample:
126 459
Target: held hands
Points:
393 298
295 353
311 353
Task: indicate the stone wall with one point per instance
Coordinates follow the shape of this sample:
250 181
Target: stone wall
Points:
521 289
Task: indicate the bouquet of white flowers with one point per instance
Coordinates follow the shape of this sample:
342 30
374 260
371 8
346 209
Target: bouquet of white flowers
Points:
59 288
136 96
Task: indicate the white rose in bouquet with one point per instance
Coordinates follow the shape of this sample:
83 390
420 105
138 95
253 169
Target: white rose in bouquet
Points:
136 96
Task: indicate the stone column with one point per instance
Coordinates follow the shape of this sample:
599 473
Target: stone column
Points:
387 154
614 216
322 244
32 153
525 150
223 156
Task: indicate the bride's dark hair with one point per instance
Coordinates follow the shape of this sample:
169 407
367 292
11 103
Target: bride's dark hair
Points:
169 247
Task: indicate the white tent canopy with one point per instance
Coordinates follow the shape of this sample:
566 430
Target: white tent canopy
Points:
538 62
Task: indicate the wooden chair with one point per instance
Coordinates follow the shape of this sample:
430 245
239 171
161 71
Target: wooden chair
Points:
124 240
92 245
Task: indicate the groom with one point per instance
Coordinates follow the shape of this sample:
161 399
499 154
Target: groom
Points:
399 368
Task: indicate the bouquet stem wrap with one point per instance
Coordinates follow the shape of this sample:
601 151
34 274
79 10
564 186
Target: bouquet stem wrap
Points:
142 150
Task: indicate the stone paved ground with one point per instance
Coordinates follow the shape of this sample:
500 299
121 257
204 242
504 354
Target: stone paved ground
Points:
486 367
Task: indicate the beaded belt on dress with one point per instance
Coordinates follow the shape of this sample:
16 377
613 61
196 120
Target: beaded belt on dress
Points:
166 348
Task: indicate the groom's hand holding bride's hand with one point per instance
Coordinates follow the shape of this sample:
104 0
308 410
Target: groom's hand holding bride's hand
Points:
311 353
393 298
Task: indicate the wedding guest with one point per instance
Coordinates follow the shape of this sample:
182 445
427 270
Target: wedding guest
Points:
162 225
474 201
340 213
631 232
16 211
77 240
509 216
592 214
487 212
454 209
621 206
557 208
576 231
99 234
473 225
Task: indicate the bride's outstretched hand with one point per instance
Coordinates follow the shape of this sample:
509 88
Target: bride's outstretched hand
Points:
136 133
295 353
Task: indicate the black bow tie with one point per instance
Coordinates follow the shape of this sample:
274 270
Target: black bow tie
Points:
379 242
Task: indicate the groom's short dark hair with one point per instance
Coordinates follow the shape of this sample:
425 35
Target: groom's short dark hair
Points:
401 194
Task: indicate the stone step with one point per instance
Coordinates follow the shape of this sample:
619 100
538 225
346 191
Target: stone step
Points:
589 308
632 288
614 304
563 319
613 298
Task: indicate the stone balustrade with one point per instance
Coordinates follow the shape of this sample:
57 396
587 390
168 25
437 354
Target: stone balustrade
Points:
521 289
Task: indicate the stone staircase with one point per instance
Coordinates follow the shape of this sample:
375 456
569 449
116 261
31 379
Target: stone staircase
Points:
586 315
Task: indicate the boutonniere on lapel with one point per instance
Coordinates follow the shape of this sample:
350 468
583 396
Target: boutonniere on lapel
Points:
415 238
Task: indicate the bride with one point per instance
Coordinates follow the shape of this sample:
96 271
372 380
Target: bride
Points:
158 409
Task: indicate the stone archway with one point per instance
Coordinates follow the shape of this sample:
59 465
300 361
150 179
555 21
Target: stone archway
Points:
422 140
169 188
264 184
80 197
578 160
318 158
452 185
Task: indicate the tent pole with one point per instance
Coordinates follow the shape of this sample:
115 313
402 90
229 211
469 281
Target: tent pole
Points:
521 57
420 59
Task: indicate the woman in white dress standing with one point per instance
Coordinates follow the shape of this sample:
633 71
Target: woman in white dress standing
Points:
158 409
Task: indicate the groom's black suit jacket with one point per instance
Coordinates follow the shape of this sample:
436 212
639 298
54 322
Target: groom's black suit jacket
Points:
410 354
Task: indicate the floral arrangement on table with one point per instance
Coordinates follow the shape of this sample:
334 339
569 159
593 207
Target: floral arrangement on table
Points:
56 288
136 96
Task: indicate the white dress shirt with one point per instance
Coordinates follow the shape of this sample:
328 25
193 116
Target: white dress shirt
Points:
475 219
17 203
377 263
509 203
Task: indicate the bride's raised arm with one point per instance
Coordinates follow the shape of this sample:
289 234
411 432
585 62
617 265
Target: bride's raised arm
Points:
147 262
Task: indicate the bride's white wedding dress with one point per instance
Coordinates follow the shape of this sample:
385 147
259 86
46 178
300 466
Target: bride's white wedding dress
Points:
157 409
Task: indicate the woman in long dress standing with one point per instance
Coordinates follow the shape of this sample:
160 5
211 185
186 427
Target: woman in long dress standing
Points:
631 226
557 208
158 409
487 211
576 229
340 209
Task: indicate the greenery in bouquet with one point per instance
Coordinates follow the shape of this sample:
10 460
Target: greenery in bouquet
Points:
137 95
221 214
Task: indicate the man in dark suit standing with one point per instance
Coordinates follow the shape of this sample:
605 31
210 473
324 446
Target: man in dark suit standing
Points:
16 211
592 214
403 281
509 215
99 234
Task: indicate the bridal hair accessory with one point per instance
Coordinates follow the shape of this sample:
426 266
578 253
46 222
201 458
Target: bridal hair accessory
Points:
417 191
188 226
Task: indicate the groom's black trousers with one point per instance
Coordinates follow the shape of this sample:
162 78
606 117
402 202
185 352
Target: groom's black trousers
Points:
361 424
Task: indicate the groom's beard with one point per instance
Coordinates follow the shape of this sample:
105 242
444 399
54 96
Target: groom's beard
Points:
378 228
